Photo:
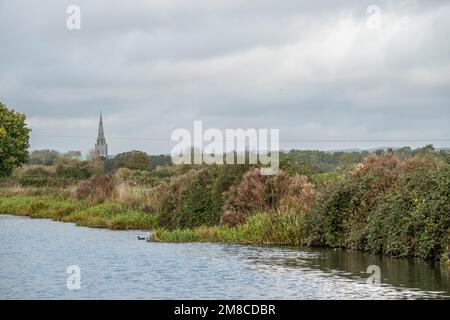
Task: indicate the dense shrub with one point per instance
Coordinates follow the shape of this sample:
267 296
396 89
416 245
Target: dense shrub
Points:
386 206
258 193
245 199
322 179
43 157
41 177
196 197
190 201
34 177
413 219
139 197
297 194
159 161
227 176
96 190
339 217
144 178
76 171
134 160
310 162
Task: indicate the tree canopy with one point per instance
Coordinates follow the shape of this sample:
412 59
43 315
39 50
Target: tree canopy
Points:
134 160
43 157
14 140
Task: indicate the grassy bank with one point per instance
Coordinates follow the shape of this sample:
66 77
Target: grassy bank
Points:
388 204
106 215
261 228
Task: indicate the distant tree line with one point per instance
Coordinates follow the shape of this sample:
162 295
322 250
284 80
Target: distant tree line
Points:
316 165
133 160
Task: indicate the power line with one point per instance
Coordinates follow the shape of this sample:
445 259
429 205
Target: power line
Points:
366 140
281 140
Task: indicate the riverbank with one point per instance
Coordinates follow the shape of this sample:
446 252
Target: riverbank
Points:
106 215
399 208
282 228
259 229
139 270
384 205
262 228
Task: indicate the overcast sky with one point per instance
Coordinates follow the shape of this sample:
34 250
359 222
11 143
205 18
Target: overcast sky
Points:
313 69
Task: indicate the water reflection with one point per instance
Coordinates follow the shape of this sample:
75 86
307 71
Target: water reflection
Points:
430 277
35 253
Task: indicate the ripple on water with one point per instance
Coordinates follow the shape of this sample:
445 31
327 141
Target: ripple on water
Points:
35 253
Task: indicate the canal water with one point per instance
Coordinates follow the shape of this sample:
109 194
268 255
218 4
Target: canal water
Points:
36 253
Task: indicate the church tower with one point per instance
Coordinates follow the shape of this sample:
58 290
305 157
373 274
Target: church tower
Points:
101 148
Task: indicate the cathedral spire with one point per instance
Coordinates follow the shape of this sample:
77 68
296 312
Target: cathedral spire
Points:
101 148
101 134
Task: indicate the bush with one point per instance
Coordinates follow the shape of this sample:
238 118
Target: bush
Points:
144 178
257 193
245 199
74 169
138 197
413 219
95 190
386 206
42 177
339 216
189 201
37 177
134 160
320 180
43 157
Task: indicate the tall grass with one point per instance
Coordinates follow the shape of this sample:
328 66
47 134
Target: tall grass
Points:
39 207
280 228
112 216
106 215
15 189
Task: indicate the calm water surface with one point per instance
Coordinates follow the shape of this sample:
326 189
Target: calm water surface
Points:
34 255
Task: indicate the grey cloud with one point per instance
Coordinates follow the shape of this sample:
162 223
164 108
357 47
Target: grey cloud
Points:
310 68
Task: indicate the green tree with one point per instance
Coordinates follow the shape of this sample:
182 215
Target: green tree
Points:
44 157
161 160
428 149
14 140
134 160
